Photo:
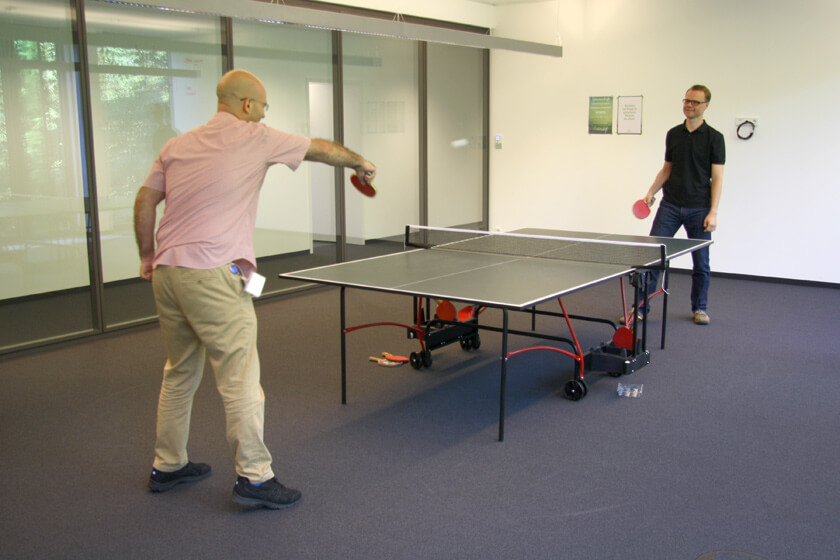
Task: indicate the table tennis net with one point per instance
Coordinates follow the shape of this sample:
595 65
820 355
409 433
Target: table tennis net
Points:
537 246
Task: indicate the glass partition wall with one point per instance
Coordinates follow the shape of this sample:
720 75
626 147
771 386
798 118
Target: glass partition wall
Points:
153 75
43 194
457 132
381 107
86 103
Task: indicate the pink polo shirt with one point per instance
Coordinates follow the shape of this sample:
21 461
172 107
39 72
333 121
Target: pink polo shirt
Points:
211 178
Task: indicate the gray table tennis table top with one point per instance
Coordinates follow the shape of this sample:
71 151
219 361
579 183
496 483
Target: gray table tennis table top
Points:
495 280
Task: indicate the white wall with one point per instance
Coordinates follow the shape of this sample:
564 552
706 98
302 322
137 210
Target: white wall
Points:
771 59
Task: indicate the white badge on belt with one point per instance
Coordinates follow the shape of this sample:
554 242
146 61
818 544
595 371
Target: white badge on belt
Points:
255 284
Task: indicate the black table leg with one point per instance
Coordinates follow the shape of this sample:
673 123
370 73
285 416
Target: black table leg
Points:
343 352
504 375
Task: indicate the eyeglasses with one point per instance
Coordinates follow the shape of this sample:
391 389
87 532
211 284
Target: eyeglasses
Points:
693 102
263 103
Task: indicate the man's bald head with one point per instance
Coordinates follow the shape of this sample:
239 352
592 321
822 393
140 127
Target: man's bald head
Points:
237 91
239 83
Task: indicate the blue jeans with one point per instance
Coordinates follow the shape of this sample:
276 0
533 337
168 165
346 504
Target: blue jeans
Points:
669 218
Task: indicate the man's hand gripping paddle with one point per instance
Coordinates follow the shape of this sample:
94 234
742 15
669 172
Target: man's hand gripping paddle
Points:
642 210
363 186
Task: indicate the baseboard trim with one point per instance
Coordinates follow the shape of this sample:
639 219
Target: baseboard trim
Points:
768 279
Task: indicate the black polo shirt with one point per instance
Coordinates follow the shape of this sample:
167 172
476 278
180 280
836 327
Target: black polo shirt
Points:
691 155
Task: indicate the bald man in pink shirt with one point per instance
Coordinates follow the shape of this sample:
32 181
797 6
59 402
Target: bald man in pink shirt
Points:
198 263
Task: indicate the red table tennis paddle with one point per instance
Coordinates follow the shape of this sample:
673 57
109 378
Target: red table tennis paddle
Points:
623 338
363 187
385 362
469 312
642 210
394 358
445 310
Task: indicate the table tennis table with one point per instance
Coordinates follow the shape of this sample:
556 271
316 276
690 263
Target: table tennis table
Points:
512 271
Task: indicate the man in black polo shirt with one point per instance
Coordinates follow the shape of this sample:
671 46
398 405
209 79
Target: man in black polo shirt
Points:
692 179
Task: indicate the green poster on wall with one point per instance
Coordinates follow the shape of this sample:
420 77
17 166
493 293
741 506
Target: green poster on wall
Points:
600 115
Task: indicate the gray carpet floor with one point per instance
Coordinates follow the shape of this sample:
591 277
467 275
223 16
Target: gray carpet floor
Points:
730 452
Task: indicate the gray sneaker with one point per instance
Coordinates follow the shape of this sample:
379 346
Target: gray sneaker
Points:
270 494
701 317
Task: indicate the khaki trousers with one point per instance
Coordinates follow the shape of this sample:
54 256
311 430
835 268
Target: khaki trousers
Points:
207 313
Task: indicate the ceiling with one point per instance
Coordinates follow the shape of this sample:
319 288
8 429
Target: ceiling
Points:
500 2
